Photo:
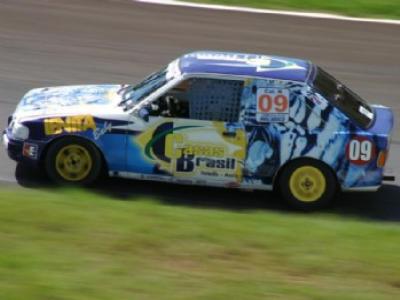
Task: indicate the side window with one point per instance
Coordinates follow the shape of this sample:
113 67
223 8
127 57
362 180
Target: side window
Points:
201 99
215 99
173 104
348 102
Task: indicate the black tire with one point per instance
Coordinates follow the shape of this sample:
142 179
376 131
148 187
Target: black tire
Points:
307 184
63 171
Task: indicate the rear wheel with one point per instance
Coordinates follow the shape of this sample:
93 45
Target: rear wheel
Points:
307 184
73 160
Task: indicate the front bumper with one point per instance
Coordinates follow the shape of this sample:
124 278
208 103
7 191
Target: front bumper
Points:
5 140
13 147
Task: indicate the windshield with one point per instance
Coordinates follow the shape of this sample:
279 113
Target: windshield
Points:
131 95
343 98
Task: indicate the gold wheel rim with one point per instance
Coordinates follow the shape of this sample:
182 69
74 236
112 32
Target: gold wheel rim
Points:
307 184
73 162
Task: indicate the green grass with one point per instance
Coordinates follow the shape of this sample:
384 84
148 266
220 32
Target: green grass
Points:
76 245
359 8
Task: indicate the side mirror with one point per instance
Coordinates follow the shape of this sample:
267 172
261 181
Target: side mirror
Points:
144 114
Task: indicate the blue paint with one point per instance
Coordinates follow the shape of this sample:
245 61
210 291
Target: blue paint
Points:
241 64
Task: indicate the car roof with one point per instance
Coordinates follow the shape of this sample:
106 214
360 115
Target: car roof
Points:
245 64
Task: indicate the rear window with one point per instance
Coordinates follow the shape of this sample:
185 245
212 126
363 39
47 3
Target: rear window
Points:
343 98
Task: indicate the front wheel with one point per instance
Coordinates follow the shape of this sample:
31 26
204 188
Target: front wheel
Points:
73 160
307 184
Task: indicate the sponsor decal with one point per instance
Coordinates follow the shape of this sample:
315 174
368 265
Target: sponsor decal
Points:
100 131
365 112
203 150
30 150
155 177
161 142
262 63
70 124
188 163
184 152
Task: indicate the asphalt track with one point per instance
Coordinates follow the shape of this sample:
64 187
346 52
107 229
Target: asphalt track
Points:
62 42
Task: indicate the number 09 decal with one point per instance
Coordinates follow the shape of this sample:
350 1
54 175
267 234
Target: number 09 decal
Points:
360 151
272 105
278 103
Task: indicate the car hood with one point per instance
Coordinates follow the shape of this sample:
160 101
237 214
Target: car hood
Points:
66 100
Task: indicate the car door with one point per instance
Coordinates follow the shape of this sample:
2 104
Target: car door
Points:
207 152
267 110
193 134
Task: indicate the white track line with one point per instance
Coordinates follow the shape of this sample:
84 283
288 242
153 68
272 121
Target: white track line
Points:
270 11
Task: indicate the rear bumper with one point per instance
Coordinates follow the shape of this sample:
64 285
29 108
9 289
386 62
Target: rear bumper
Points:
388 177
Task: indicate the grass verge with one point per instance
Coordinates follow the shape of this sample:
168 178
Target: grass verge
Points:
360 8
77 245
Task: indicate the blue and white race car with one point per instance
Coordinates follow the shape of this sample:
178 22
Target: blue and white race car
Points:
215 119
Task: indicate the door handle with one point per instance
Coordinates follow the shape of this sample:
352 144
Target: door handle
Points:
229 133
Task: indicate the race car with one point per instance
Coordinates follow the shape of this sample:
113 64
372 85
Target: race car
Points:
211 118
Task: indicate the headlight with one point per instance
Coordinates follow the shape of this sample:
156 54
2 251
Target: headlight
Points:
19 131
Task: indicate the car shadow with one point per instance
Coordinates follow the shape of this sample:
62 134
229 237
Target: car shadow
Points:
383 205
31 177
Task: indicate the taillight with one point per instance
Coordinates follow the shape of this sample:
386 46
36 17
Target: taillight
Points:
382 157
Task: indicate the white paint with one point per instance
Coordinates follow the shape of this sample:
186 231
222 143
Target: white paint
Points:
360 150
100 131
5 140
189 181
271 11
361 189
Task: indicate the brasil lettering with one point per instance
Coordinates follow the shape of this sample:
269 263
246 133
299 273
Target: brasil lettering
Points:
187 163
70 124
